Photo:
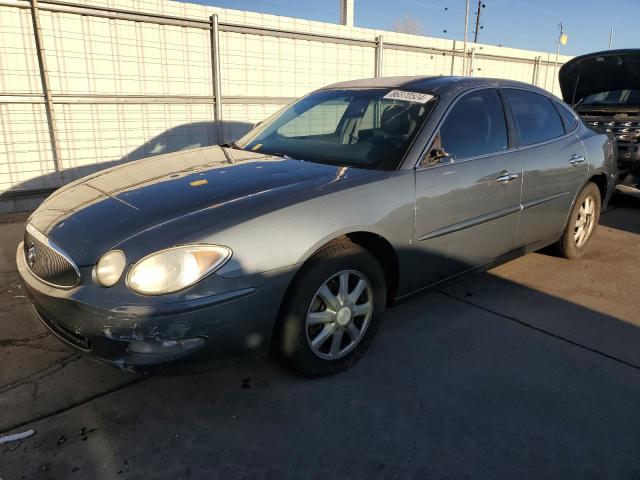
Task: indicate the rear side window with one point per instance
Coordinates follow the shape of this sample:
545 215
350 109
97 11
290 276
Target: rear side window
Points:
475 126
568 118
537 120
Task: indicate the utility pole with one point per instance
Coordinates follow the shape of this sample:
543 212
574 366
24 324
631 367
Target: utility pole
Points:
555 65
346 12
466 29
478 27
610 37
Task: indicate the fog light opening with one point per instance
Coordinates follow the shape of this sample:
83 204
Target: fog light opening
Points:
163 347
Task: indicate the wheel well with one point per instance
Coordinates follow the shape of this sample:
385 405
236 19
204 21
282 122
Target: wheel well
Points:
601 182
384 253
377 246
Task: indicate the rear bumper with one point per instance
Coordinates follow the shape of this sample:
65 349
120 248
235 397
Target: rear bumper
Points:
132 331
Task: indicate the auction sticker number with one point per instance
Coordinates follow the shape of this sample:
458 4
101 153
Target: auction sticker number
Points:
408 96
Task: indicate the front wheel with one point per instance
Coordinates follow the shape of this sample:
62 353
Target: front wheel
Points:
332 311
583 220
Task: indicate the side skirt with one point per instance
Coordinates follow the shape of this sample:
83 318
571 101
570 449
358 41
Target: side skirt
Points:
518 252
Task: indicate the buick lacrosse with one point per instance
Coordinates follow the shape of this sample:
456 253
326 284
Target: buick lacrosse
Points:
297 237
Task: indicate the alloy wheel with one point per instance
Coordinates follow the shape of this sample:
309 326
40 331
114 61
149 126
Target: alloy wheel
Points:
339 314
585 221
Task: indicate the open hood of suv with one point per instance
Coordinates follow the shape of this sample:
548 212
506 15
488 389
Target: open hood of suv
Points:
598 72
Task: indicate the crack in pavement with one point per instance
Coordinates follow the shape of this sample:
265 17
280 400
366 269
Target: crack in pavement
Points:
45 416
541 330
26 342
50 369
12 342
91 398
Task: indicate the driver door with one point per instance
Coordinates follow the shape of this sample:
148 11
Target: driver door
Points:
467 190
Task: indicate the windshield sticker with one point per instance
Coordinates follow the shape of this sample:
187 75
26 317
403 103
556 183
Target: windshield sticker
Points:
408 96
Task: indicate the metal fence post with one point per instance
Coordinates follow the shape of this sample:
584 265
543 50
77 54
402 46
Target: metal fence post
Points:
453 58
472 62
215 77
546 70
536 70
46 91
379 55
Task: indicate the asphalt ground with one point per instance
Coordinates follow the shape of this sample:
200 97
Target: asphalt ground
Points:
529 370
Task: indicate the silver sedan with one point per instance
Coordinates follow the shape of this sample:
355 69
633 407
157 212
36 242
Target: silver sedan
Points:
298 236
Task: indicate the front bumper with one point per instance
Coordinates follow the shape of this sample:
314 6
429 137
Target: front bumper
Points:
628 154
629 164
225 318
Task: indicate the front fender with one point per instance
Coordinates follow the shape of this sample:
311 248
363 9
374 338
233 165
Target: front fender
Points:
289 236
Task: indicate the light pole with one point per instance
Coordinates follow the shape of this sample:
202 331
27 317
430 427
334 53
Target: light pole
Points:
466 26
610 37
562 39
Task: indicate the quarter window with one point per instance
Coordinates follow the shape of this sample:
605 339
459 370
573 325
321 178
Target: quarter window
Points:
568 118
536 118
474 126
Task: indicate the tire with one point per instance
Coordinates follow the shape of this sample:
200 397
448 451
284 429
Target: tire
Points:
348 322
572 244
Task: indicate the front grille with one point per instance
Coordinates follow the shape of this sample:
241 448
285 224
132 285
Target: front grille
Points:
624 127
47 262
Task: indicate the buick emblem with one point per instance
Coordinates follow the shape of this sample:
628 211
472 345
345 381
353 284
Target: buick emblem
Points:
31 255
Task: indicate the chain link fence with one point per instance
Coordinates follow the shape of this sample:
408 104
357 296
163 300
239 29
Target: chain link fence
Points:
92 84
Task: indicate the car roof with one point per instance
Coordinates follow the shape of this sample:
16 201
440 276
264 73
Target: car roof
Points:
431 84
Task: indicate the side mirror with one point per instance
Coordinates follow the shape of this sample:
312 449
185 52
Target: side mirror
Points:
436 155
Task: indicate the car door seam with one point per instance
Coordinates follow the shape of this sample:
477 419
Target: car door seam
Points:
472 222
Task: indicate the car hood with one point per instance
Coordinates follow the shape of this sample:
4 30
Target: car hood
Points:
92 215
598 72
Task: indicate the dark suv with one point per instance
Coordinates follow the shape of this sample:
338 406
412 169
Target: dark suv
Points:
604 89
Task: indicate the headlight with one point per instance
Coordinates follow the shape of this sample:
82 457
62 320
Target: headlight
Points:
110 267
176 268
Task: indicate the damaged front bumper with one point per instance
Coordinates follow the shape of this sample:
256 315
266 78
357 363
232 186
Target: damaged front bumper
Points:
234 318
630 177
629 164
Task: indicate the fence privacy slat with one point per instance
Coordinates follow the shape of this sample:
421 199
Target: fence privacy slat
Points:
158 76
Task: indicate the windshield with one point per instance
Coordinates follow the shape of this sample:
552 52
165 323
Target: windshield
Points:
370 128
613 97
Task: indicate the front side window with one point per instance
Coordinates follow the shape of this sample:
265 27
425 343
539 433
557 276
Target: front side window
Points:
358 127
475 126
536 119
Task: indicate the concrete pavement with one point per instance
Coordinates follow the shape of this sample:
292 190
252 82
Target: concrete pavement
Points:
529 370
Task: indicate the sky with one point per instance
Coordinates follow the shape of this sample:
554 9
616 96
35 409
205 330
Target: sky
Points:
528 24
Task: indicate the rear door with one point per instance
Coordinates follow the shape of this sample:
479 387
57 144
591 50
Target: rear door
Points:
467 190
553 160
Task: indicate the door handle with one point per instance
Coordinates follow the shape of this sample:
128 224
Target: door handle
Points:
506 177
576 159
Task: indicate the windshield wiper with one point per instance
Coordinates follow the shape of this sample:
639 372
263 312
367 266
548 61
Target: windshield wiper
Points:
224 148
233 145
281 155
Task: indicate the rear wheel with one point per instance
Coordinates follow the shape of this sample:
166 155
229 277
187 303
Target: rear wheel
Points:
333 309
582 223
